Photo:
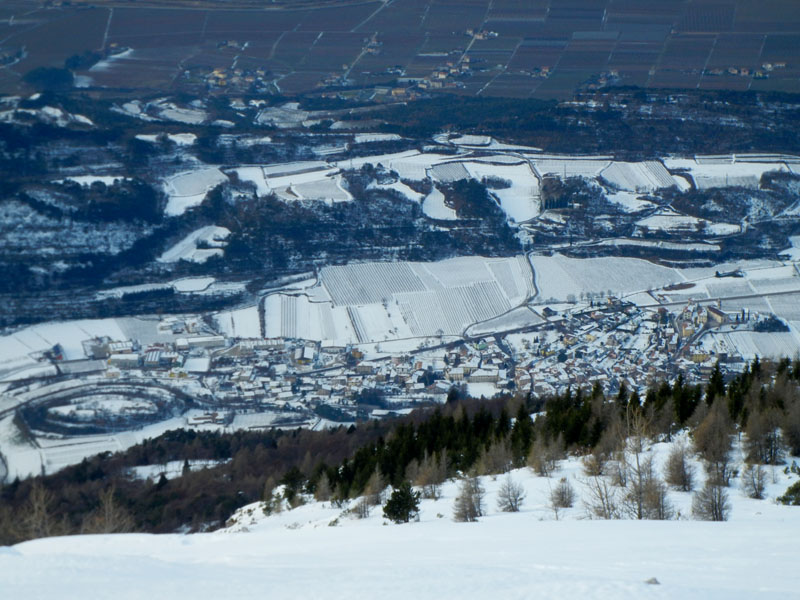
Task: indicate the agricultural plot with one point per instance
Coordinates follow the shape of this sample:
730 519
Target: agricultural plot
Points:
786 306
296 317
21 351
211 236
434 207
669 221
329 190
375 302
645 176
520 200
189 189
240 323
564 166
559 278
749 344
728 171
689 44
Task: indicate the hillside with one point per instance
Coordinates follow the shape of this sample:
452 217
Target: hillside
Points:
317 550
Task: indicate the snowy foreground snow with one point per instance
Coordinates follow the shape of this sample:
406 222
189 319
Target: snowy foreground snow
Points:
321 551
505 556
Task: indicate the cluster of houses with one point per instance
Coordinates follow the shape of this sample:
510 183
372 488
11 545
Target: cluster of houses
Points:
610 343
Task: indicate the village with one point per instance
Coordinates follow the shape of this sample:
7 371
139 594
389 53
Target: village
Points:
297 382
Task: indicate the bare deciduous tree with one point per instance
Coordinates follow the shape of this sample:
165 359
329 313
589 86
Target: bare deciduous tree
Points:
712 439
544 456
431 473
601 498
373 491
38 521
469 502
754 480
562 496
322 493
510 496
679 472
711 503
362 508
109 517
495 459
763 443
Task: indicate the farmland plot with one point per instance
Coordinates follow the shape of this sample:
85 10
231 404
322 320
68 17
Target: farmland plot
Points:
724 171
562 278
373 302
189 189
645 176
520 201
569 166
749 344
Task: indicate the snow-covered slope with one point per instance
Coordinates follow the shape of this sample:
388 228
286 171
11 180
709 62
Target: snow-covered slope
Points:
321 551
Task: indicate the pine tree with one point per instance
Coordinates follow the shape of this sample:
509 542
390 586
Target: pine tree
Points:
402 505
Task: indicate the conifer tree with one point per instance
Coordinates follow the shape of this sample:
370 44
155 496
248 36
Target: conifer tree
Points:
402 505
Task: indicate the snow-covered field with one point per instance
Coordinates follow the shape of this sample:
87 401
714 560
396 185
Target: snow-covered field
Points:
724 171
644 176
319 551
433 206
179 139
520 201
189 189
376 302
187 248
560 277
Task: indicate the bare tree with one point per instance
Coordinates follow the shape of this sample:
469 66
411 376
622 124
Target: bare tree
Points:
362 508
712 439
711 503
656 501
38 521
431 473
601 498
373 491
469 502
109 517
679 472
763 443
510 496
636 466
562 496
496 458
322 493
544 456
754 480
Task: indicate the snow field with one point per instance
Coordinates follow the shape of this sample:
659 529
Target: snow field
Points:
644 176
240 323
520 202
317 550
254 175
560 277
569 166
187 249
189 189
179 139
434 207
373 302
399 187
724 171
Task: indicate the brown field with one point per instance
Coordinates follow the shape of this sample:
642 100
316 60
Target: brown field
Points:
679 41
